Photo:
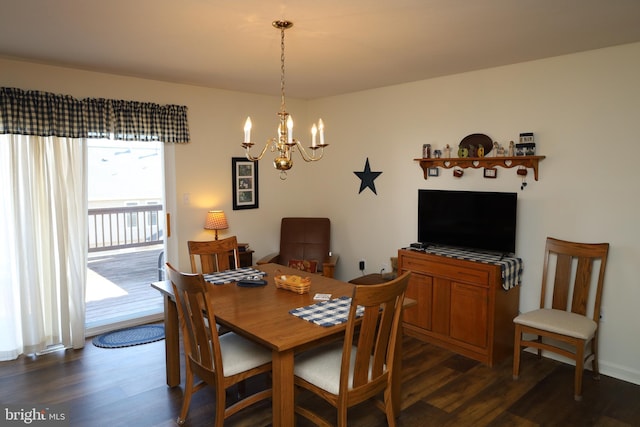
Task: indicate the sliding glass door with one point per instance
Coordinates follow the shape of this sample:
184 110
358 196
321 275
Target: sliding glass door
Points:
126 233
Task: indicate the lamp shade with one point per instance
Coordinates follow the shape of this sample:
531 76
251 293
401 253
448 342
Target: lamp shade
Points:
216 220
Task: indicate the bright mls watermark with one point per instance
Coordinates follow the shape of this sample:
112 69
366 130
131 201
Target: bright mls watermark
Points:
34 415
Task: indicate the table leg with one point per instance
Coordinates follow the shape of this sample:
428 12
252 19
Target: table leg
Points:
171 342
283 393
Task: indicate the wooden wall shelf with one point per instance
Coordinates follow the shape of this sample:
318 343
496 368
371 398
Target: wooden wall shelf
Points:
480 162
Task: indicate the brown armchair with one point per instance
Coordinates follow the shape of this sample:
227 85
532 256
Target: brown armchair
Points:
305 239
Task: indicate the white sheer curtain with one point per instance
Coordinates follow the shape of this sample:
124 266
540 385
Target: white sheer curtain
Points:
43 249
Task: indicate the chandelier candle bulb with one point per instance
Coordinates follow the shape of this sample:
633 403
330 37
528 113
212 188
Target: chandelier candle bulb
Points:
321 128
314 131
247 130
290 130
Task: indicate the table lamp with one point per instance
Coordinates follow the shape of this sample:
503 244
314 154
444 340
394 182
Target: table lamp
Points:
216 220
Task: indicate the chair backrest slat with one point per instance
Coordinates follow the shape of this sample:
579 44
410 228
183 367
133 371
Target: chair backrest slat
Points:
582 285
562 282
366 341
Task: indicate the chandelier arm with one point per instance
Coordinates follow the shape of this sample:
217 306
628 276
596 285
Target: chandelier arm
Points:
305 155
247 148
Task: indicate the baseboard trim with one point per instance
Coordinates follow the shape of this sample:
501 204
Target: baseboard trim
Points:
613 370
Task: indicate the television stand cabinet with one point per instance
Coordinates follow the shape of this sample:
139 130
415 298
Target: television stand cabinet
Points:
462 305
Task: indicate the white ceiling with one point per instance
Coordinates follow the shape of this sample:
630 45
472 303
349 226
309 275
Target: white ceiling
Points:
335 46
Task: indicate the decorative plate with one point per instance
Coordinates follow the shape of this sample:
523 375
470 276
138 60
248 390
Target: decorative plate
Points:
476 140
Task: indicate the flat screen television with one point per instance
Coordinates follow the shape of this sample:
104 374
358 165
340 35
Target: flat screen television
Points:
468 219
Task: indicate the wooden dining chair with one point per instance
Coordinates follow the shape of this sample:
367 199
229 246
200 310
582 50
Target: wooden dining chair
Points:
569 312
219 361
361 367
214 255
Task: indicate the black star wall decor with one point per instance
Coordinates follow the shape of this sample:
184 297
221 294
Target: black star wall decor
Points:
367 177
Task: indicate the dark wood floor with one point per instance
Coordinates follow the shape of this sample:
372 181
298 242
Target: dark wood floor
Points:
126 387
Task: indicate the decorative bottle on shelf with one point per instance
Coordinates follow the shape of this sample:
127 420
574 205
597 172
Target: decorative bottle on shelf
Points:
426 151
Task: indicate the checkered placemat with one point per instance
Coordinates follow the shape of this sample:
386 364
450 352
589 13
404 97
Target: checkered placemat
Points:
229 276
511 267
327 313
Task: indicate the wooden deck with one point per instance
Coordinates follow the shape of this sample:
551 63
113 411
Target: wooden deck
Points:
118 288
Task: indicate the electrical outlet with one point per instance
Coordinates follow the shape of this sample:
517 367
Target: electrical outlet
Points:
361 265
384 268
602 314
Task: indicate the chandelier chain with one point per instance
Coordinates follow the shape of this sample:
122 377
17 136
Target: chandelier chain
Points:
282 101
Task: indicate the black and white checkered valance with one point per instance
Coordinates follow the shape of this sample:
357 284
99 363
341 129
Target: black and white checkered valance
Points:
47 114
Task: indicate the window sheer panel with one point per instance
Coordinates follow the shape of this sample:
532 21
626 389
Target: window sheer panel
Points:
10 324
69 215
27 169
47 208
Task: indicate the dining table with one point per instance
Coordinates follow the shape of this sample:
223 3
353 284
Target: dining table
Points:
262 314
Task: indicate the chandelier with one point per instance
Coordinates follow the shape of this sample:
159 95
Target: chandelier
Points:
284 143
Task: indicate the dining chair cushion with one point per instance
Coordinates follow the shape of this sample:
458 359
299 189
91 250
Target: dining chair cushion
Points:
321 367
240 354
559 321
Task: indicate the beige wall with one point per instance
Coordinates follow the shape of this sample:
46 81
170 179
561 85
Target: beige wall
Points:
585 112
583 109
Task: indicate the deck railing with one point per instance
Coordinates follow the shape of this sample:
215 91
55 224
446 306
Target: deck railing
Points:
125 227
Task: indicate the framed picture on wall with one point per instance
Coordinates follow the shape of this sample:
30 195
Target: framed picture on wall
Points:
245 183
490 172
